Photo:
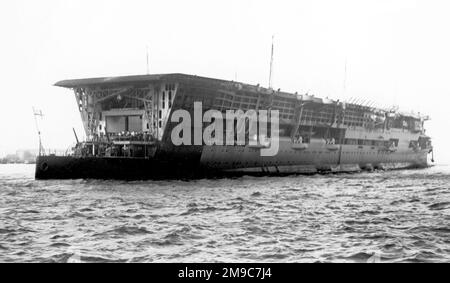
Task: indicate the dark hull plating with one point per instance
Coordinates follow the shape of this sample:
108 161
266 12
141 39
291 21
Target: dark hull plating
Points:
57 167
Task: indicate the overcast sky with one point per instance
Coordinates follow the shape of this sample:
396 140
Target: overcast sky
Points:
397 52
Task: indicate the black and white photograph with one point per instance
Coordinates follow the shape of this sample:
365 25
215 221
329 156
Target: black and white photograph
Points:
242 133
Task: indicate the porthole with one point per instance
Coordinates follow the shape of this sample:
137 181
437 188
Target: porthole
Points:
44 167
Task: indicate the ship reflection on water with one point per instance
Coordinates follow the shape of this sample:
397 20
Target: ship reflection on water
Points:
395 216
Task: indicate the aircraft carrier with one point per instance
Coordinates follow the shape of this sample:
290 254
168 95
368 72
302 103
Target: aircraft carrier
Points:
129 123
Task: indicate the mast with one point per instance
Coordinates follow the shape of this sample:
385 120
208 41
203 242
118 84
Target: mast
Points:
148 68
35 114
344 90
271 64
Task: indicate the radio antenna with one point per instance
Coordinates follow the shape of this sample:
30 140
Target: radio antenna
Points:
344 90
148 67
271 65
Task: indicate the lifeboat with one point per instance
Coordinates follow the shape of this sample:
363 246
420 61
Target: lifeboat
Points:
392 149
332 147
299 146
263 142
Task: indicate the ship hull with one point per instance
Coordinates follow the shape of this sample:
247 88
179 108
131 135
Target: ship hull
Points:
222 161
59 167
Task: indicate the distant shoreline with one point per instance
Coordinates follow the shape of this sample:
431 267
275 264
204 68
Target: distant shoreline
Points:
18 163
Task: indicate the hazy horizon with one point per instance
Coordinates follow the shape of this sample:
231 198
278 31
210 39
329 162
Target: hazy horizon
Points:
396 54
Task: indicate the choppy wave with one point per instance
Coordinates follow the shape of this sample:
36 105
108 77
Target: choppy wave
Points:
397 216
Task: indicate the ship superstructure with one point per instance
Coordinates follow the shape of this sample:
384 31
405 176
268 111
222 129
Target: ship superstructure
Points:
128 125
